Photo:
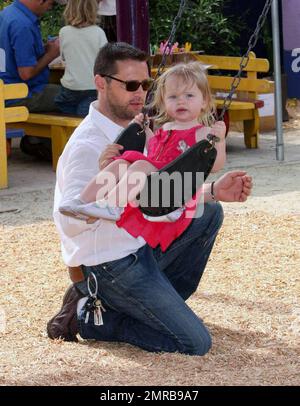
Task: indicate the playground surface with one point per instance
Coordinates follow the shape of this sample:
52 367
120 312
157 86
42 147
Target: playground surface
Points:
249 296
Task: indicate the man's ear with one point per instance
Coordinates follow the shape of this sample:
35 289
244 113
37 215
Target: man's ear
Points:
100 82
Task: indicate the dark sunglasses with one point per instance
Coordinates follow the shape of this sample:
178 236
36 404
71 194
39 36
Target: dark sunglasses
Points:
133 85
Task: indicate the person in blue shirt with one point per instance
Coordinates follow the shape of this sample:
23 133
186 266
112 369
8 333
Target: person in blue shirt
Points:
27 58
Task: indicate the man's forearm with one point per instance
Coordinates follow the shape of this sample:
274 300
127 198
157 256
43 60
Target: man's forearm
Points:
28 72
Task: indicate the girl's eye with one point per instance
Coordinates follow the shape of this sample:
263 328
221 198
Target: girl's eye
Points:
190 95
172 97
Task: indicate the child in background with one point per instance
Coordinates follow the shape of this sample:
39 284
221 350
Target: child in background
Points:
80 41
184 102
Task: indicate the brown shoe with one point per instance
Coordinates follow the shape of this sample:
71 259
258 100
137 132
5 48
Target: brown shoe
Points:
64 324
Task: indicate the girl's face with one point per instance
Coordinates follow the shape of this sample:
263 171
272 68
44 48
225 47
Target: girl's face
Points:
183 101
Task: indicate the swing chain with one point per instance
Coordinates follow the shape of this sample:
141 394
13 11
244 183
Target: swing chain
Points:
162 64
170 40
245 58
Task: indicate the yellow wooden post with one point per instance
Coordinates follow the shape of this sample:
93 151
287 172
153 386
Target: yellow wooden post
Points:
9 115
3 156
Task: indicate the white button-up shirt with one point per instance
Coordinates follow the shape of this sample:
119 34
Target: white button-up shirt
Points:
82 243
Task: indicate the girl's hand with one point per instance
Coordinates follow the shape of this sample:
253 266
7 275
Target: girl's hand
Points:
218 129
139 119
108 154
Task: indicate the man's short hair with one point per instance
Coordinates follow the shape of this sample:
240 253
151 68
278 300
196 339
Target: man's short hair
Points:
113 52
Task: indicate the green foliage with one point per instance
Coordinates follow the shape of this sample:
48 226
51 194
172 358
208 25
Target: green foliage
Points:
4 3
202 24
51 22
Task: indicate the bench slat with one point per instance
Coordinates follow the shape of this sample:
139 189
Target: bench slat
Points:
235 105
13 114
49 119
233 63
248 85
15 91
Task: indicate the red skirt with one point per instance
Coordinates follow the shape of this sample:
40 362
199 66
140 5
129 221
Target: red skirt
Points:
162 233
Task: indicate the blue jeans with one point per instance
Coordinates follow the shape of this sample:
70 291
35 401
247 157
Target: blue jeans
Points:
75 102
144 293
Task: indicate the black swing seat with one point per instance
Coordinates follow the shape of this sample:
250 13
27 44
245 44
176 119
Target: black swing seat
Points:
191 168
133 138
197 161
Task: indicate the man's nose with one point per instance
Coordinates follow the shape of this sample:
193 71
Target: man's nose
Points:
140 89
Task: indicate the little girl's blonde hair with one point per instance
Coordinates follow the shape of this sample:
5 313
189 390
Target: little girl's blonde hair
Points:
189 73
81 13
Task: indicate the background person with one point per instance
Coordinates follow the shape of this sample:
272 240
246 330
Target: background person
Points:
80 41
27 60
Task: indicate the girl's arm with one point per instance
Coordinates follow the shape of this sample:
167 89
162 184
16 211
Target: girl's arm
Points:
218 129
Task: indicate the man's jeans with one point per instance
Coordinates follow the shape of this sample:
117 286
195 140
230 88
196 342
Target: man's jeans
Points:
144 293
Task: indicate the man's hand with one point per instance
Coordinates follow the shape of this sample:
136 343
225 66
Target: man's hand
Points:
52 49
108 154
234 186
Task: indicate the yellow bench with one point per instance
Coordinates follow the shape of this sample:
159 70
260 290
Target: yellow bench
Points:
56 127
9 115
245 106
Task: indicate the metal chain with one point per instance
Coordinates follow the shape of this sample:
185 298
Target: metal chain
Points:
245 58
162 64
171 38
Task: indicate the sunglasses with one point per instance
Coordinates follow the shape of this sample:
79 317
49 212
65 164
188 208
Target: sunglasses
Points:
133 85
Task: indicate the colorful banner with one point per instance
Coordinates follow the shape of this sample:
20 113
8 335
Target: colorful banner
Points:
291 45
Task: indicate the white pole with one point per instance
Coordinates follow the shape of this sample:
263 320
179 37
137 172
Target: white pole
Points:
277 75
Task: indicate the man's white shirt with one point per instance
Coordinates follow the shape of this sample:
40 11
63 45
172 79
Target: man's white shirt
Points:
82 243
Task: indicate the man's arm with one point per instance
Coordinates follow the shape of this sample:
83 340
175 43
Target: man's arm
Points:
31 56
52 52
78 169
235 186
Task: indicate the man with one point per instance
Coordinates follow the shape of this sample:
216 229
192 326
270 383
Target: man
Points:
27 58
141 291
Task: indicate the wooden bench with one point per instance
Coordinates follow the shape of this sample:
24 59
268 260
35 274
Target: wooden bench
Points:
246 104
9 115
58 128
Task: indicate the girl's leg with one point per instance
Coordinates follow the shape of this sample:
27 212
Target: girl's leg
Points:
130 184
104 182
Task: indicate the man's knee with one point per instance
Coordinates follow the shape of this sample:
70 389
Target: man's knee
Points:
217 213
199 343
212 214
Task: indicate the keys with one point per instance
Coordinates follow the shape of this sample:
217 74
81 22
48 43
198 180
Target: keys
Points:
98 320
89 307
94 305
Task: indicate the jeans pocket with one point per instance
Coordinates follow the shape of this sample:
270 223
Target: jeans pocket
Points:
114 270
